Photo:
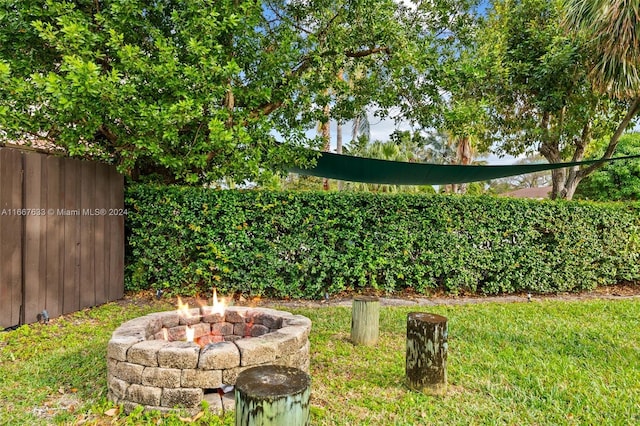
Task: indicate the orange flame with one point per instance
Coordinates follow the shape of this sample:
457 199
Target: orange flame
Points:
183 309
217 307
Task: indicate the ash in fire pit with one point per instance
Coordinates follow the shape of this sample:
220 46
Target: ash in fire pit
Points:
177 359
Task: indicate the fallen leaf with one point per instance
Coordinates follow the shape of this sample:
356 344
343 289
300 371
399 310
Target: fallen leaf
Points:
61 390
111 412
74 390
197 416
186 419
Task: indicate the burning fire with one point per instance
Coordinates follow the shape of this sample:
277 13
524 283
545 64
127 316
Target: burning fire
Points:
184 312
217 307
183 309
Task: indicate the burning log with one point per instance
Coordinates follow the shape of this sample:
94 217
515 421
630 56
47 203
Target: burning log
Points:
426 360
365 318
272 395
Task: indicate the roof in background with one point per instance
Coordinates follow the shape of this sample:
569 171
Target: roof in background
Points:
535 193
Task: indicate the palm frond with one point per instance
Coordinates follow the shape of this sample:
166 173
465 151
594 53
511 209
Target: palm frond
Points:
613 28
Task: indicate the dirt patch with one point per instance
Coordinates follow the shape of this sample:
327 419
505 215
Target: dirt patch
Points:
408 298
622 291
57 403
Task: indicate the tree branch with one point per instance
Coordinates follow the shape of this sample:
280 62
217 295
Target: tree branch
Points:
367 52
266 109
107 133
305 64
613 143
280 17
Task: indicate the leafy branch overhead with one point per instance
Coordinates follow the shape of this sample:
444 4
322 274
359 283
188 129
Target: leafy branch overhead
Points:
200 90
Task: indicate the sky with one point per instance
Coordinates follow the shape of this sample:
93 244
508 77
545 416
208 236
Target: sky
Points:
381 129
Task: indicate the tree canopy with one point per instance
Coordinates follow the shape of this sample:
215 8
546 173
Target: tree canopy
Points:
537 88
539 76
200 90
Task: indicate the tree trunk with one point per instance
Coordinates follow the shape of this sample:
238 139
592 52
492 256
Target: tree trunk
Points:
463 154
325 132
339 148
356 127
272 395
557 181
463 151
339 131
633 110
426 360
551 153
365 319
570 187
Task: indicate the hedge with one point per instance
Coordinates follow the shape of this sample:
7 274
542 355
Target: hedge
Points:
303 244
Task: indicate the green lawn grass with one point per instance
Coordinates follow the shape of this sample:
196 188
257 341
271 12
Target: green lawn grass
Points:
540 363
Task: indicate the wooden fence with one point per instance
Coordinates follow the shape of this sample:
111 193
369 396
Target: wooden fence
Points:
61 235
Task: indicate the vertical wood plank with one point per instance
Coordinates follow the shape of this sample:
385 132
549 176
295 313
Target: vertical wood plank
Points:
73 254
101 237
108 242
10 237
87 230
55 236
71 216
35 236
116 233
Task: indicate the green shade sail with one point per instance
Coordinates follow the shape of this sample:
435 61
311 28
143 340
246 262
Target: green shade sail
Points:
371 170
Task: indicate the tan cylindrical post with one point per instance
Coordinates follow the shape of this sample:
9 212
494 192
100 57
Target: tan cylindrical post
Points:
365 319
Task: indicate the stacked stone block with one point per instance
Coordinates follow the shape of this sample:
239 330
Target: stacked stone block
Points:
164 375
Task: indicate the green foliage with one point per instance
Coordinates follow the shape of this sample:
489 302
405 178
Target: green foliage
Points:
195 91
618 180
287 244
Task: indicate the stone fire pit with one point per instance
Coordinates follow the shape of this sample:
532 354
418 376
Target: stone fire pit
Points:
150 364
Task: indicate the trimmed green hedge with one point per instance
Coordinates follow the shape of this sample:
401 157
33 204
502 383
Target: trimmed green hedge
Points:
301 244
